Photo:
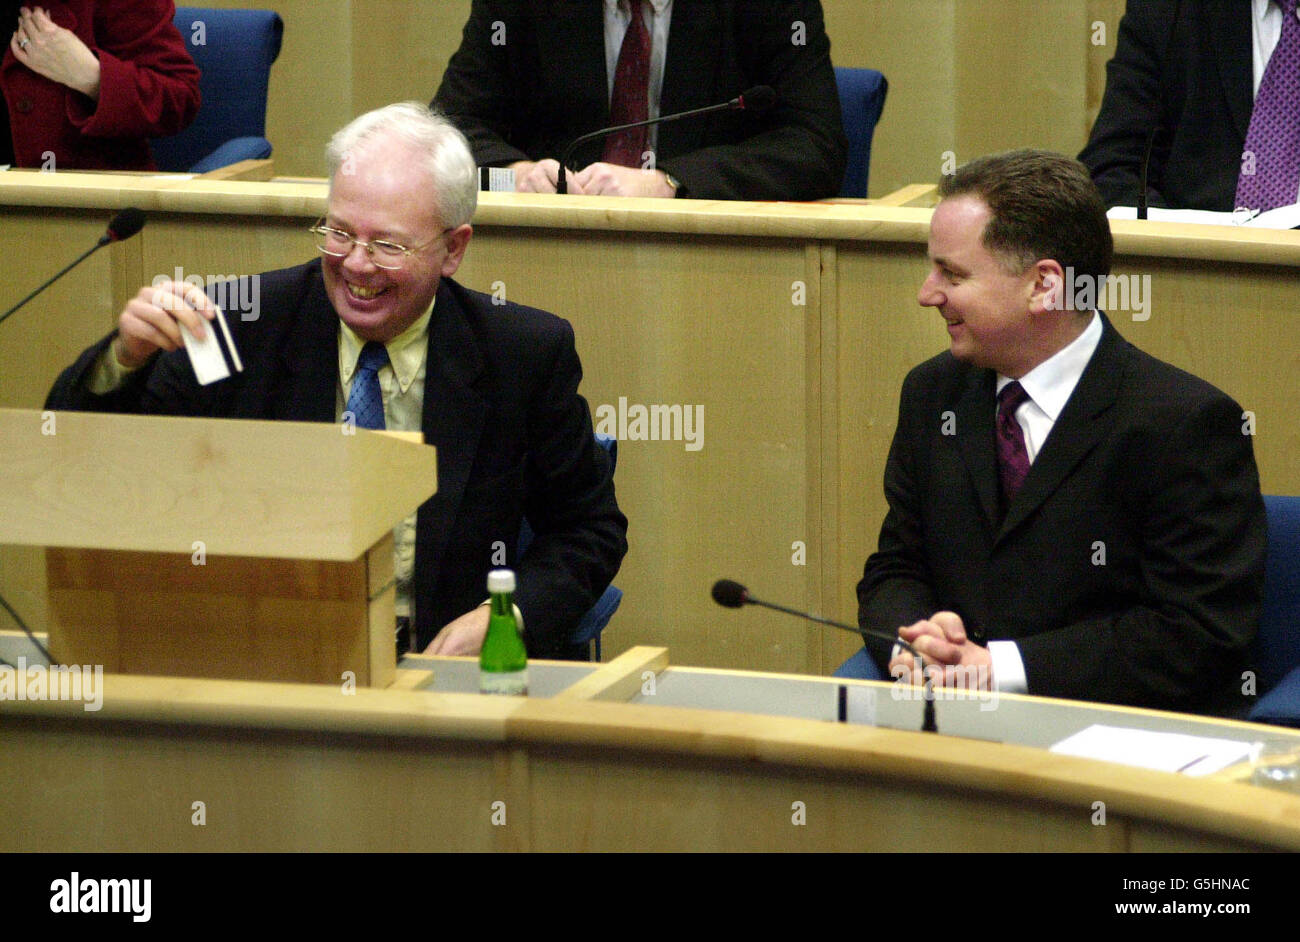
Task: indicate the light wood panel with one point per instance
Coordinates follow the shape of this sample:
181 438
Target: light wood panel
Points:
1020 76
47 335
702 324
244 618
291 490
619 680
299 767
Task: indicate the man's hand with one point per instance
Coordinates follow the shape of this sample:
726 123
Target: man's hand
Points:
543 176
941 640
601 179
464 636
150 321
54 52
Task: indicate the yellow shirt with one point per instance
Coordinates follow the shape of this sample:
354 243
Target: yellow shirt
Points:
402 385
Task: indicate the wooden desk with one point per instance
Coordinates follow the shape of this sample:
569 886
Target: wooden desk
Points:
708 761
790 325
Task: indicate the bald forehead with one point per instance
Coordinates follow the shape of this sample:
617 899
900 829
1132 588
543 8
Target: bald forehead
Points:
388 157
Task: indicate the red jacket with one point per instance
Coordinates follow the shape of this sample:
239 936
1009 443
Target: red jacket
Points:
149 87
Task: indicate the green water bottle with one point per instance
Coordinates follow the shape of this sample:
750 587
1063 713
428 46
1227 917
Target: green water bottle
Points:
503 662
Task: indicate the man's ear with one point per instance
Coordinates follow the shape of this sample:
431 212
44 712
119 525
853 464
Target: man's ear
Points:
457 242
1048 291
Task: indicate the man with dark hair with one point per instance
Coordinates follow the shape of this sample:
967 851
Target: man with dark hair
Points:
531 77
1068 516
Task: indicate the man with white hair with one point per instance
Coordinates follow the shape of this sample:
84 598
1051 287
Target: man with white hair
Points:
375 332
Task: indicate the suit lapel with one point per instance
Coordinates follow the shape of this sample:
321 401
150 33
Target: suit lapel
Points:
308 373
1230 24
453 417
692 40
1085 420
576 33
974 418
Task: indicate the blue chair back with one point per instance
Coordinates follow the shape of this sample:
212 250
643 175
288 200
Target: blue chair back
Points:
1277 647
234 50
587 634
862 99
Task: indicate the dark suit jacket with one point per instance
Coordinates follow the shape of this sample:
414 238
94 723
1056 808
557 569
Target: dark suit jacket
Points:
546 85
1146 464
501 404
1195 86
149 87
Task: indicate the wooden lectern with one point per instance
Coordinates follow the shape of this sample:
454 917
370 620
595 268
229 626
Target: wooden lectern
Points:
213 547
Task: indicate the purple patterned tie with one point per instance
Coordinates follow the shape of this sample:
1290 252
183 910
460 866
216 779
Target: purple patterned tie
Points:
1274 137
1013 457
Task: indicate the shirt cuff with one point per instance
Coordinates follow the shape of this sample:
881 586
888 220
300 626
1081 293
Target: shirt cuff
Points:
1008 667
107 375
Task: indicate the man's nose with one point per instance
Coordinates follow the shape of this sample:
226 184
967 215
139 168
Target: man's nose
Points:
930 295
358 257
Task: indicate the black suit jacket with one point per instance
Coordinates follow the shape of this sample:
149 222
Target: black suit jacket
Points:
528 97
1194 86
501 405
1130 566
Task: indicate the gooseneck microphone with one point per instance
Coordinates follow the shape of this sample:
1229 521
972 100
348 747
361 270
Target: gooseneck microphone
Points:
756 100
122 226
730 594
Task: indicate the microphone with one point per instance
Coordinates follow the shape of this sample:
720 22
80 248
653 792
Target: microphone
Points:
730 594
122 226
757 100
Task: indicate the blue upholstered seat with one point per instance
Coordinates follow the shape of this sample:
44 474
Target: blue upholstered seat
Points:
234 50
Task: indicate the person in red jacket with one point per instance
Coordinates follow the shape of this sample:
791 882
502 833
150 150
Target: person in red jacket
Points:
86 83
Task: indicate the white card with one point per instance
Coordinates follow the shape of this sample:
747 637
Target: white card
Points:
205 355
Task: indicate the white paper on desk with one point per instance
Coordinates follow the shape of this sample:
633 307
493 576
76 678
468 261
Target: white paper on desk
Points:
1284 217
1164 752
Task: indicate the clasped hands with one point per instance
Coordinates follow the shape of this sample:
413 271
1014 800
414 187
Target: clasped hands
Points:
54 52
598 179
951 659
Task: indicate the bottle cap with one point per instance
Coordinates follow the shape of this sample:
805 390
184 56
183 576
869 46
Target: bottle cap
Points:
501 580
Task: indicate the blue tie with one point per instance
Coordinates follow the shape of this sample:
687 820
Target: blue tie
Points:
366 401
